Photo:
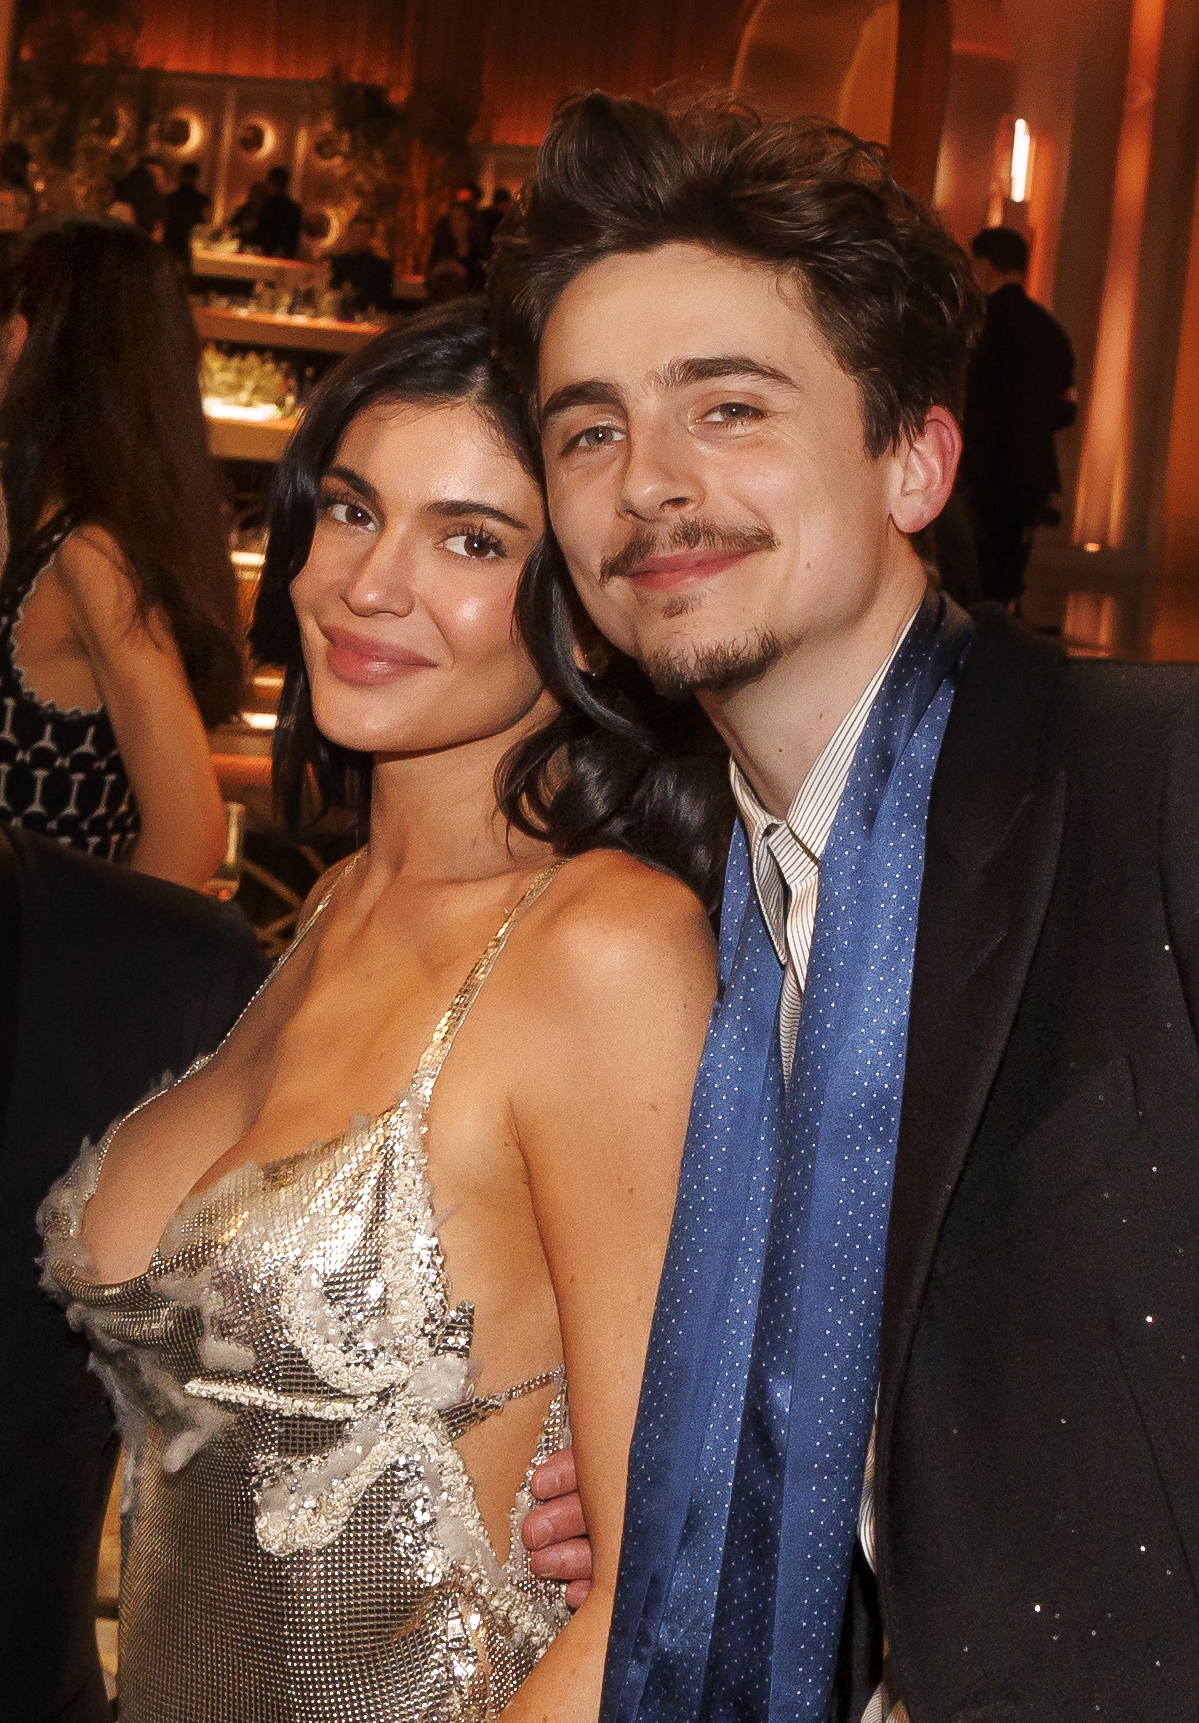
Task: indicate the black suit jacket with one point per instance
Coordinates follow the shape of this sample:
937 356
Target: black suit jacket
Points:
111 979
1015 401
277 230
1038 1443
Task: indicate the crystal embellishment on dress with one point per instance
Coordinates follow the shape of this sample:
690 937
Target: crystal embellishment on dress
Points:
302 1540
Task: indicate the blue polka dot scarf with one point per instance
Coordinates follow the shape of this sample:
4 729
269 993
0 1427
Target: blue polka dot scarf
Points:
741 1517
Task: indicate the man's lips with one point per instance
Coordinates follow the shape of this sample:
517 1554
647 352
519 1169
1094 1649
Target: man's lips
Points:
662 573
367 663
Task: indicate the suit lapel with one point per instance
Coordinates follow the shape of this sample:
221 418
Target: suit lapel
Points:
994 834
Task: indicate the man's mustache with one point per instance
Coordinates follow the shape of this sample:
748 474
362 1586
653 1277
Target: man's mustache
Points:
685 535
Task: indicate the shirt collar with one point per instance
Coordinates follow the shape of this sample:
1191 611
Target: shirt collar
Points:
810 816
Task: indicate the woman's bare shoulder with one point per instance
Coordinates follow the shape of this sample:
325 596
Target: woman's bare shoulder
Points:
96 578
91 553
609 917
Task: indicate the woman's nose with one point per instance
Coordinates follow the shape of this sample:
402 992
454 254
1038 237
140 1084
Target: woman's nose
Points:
382 581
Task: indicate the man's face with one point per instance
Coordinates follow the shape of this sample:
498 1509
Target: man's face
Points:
706 467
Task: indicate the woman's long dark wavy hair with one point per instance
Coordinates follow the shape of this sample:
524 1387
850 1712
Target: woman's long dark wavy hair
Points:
102 424
616 767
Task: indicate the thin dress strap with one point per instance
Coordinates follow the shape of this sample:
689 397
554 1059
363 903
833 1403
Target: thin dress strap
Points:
435 1054
26 562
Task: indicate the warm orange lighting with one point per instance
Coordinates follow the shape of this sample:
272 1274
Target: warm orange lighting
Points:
1103 472
1093 547
1089 626
1021 169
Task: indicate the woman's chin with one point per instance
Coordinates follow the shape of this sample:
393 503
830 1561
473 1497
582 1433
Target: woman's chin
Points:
357 738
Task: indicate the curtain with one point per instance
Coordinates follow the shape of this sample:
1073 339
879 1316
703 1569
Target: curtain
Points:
523 55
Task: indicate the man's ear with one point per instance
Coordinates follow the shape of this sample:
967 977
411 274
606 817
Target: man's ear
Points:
927 464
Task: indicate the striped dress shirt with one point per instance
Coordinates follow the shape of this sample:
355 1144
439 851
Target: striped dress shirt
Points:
785 854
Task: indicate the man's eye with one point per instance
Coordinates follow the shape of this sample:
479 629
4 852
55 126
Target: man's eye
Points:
732 413
481 546
347 513
595 437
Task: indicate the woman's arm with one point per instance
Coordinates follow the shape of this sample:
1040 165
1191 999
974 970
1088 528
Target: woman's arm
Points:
159 731
601 1122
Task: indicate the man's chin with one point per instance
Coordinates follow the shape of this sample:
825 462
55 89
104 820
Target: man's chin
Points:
716 667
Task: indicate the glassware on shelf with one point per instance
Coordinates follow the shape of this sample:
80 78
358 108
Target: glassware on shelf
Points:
251 386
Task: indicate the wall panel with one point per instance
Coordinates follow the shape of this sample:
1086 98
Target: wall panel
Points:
523 54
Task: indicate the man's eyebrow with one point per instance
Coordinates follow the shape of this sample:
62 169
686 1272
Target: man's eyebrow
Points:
710 368
356 482
454 508
679 374
592 393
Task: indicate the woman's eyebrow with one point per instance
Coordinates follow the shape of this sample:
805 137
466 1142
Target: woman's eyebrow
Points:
592 393
356 482
453 508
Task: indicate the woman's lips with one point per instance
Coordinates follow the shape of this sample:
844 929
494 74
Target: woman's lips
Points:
368 663
662 573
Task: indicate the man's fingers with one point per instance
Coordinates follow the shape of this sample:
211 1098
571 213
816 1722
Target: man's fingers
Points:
576 1593
553 1522
570 1560
555 1476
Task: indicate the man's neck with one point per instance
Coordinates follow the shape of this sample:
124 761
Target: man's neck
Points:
777 727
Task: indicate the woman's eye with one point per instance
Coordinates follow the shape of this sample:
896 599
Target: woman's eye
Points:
347 513
732 413
480 546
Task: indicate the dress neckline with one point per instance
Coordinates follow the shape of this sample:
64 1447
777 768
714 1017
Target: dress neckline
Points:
419 1086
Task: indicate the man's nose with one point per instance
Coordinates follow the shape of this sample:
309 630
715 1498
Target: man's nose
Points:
659 475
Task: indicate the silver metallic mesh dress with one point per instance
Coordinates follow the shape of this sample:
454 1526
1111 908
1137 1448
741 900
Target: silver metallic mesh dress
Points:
301 1541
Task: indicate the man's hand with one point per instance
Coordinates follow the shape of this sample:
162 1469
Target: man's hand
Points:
555 1533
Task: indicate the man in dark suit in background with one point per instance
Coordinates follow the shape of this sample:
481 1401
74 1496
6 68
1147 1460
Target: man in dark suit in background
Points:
1019 393
277 230
141 189
359 270
917 1434
186 207
111 980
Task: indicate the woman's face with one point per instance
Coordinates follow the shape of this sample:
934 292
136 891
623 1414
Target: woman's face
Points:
405 602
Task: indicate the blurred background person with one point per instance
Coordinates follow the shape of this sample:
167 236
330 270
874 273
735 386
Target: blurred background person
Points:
1019 392
457 240
119 625
277 230
358 270
142 189
491 217
186 207
243 223
18 200
447 280
110 979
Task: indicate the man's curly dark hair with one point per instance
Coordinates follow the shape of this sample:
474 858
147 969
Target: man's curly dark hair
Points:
890 291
